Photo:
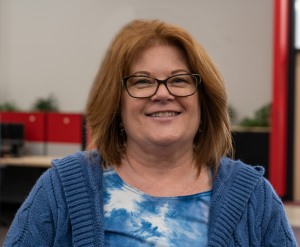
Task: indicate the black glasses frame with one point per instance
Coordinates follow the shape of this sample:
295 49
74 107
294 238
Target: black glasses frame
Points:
125 79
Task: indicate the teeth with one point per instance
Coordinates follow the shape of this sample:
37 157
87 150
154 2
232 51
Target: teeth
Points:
164 114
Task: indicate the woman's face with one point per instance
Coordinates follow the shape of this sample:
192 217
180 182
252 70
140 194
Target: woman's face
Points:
141 126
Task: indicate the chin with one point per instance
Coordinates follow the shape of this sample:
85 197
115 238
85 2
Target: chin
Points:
166 141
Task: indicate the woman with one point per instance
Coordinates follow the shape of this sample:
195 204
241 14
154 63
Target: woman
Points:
158 116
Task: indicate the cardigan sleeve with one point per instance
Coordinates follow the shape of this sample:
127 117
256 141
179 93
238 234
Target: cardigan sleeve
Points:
42 218
276 230
33 224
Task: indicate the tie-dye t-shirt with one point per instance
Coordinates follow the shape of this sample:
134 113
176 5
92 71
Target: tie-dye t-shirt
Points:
133 218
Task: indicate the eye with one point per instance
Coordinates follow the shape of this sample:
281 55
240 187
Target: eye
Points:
178 80
142 81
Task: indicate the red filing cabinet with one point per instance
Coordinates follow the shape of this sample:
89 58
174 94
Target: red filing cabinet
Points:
34 123
64 133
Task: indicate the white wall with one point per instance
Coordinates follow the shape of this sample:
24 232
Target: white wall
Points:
56 46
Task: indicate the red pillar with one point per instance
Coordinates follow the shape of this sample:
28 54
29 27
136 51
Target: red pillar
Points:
278 136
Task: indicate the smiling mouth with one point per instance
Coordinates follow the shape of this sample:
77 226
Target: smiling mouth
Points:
164 114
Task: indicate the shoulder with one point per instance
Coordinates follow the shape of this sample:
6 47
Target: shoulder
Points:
73 175
234 178
78 171
236 174
80 160
239 174
229 168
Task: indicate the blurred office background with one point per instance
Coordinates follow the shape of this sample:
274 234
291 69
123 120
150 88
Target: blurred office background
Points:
57 46
53 49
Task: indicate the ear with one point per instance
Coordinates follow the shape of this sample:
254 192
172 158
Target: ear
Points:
121 124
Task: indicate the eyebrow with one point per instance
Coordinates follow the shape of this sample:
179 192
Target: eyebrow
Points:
174 72
141 72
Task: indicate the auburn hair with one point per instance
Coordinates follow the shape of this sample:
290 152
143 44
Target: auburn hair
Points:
103 109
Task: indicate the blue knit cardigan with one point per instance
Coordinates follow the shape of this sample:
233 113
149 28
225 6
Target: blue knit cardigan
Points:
65 207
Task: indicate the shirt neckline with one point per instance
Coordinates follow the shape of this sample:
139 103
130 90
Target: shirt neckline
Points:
111 170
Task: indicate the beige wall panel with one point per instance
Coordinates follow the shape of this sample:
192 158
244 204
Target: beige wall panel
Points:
62 149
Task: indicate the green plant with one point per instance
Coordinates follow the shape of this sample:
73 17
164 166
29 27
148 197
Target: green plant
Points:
8 106
261 117
45 104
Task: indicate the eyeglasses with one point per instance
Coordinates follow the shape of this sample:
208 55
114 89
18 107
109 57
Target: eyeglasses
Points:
142 86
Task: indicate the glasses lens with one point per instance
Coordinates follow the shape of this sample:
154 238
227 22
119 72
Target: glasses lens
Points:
182 85
139 86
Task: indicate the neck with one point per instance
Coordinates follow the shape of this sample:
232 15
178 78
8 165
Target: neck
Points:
164 171
161 159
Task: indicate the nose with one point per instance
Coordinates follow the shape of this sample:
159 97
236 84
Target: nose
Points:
162 93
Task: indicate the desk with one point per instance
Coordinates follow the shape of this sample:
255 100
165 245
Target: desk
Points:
28 161
19 175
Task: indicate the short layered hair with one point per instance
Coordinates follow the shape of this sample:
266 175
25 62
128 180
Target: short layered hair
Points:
103 110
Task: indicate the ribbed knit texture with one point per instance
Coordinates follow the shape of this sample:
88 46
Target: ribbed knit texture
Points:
233 205
245 210
78 201
65 208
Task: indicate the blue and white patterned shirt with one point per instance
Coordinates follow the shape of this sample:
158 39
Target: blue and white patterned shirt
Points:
133 218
